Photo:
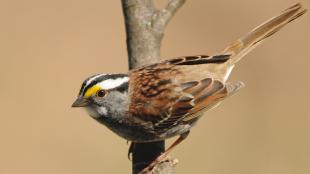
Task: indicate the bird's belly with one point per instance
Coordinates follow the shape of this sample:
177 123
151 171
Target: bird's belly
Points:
140 135
128 132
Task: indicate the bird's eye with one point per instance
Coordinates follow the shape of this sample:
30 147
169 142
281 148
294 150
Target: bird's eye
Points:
101 93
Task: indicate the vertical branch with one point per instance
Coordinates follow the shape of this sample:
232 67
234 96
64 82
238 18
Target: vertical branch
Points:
143 45
145 26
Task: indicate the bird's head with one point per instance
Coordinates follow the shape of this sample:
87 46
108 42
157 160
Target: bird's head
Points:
104 95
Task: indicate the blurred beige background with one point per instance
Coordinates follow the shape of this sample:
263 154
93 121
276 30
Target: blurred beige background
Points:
47 48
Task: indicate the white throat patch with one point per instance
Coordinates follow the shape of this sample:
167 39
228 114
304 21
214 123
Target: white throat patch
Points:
102 111
112 83
97 112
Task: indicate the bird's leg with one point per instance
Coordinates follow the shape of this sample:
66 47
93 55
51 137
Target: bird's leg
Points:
131 147
165 154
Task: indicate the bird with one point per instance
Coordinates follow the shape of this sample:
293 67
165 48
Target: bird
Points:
166 99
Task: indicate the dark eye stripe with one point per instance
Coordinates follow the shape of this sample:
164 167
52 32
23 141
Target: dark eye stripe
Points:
122 88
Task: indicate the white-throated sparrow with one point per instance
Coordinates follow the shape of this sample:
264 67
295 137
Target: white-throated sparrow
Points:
162 100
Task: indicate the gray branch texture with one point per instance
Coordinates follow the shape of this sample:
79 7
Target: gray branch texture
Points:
145 26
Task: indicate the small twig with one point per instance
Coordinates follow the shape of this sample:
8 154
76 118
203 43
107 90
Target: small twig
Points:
162 17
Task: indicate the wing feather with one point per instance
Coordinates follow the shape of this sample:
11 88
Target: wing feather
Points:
162 99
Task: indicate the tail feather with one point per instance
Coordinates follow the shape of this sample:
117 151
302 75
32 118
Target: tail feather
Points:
245 44
232 88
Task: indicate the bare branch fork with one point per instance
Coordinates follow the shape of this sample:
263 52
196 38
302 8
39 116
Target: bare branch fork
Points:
145 26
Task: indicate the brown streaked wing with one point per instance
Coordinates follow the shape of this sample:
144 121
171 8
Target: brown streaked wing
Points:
158 98
196 68
200 59
207 98
153 92
200 96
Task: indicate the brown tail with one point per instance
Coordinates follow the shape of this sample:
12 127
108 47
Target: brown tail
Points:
248 42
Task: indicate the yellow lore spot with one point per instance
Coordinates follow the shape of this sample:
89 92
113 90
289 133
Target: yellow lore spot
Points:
92 91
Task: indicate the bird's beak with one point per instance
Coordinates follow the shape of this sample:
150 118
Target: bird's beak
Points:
81 102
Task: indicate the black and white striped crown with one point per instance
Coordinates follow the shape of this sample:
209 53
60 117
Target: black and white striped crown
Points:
105 81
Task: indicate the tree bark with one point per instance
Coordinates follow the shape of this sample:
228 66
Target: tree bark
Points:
145 26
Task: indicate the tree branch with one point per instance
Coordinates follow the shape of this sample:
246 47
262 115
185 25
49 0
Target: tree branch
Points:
142 44
145 26
162 17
